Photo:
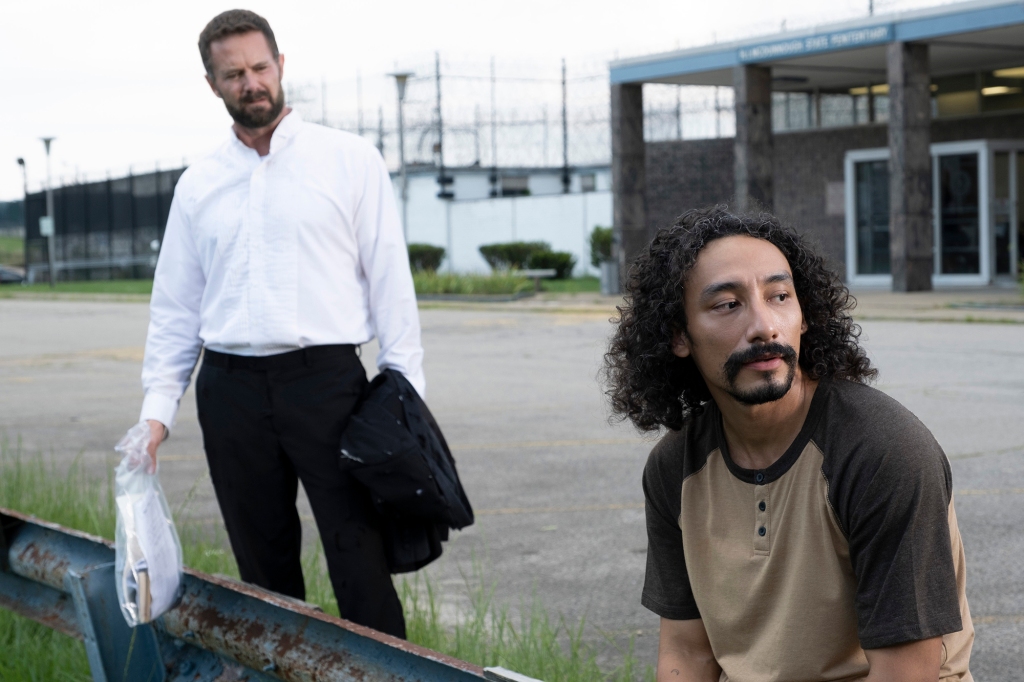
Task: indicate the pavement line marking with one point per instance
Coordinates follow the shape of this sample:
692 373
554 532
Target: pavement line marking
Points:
558 510
988 620
545 444
508 511
1001 451
989 491
466 447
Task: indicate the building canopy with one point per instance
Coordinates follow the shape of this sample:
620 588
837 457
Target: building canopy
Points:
972 37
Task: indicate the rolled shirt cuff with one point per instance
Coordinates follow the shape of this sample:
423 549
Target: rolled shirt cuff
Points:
161 408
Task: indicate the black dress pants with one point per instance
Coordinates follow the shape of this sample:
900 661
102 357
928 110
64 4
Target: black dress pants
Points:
269 422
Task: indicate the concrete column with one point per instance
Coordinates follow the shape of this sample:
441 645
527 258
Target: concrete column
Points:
629 206
753 167
910 178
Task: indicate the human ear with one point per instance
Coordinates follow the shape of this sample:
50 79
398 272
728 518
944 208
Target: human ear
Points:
209 81
680 345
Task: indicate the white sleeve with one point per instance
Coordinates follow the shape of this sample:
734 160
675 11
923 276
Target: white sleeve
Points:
385 262
172 342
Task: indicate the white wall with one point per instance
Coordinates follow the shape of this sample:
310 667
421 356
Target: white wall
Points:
563 220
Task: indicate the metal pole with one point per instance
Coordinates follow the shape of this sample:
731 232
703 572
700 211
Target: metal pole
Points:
494 133
679 112
323 100
718 115
49 213
442 179
380 130
400 81
24 206
565 134
359 103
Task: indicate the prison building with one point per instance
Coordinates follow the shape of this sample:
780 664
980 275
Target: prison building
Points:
921 188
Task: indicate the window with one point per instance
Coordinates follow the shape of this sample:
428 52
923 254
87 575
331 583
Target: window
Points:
515 186
588 182
872 217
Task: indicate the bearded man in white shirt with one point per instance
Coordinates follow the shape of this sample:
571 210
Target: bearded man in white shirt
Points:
282 254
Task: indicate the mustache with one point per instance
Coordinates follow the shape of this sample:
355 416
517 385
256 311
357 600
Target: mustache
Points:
760 351
251 97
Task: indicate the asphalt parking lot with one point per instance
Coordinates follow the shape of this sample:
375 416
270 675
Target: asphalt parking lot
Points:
556 487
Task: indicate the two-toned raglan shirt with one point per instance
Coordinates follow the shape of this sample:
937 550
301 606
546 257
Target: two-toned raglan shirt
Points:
848 542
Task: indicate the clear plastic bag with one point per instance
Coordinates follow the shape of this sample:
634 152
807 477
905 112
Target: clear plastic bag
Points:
148 565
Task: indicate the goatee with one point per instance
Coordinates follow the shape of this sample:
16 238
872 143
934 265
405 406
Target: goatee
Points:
258 118
769 390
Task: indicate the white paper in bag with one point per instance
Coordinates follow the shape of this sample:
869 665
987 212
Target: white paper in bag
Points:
148 564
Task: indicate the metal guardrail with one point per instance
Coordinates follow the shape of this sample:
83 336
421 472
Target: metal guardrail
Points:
221 629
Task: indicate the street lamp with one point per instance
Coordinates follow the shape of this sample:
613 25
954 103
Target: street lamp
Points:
49 225
401 78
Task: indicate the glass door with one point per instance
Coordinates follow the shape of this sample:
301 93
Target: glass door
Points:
959 214
1002 214
872 217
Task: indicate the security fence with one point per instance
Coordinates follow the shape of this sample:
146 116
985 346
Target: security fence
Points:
110 229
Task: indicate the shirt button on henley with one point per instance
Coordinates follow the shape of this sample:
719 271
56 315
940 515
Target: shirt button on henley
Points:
762 506
759 477
761 531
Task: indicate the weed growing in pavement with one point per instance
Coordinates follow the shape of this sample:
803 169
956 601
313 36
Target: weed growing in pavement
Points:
533 644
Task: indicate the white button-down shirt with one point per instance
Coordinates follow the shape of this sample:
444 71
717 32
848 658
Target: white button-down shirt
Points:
302 247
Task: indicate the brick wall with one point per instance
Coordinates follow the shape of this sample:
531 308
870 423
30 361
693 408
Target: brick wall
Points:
693 173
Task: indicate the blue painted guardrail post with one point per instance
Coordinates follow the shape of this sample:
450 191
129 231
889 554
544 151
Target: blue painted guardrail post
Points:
221 629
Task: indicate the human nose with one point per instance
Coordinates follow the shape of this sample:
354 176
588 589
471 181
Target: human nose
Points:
762 327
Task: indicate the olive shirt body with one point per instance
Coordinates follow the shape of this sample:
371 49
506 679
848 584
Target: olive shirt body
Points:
848 542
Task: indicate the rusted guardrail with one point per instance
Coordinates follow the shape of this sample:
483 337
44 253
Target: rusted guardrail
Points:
221 629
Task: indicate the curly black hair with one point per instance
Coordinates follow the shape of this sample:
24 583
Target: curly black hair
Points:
650 385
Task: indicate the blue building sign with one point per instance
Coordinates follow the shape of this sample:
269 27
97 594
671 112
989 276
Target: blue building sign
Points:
840 40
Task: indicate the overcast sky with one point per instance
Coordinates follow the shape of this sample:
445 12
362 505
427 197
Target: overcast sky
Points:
119 83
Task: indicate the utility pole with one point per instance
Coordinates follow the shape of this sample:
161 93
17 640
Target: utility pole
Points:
380 130
323 100
476 134
871 8
565 134
442 180
494 133
401 78
679 112
49 224
359 102
718 115
24 201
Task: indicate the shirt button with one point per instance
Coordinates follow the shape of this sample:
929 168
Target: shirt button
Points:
761 531
761 505
759 477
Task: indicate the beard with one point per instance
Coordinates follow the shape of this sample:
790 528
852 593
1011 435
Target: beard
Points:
768 389
254 119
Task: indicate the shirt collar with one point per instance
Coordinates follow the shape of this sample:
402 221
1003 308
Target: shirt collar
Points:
283 133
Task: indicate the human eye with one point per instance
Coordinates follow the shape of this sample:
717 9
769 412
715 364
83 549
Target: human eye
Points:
726 306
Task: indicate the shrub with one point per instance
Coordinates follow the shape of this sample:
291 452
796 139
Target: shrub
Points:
511 255
600 245
425 257
561 261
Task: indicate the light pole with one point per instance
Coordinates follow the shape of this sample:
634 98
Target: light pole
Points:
24 202
401 78
51 222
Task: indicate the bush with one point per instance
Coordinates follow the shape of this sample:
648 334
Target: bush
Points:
600 245
425 257
511 255
562 262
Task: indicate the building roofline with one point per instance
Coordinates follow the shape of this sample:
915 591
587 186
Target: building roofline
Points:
923 24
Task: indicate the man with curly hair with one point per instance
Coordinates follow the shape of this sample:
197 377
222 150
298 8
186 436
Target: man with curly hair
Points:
800 523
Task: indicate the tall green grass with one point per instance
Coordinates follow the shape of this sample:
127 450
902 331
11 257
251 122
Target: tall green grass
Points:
533 643
468 284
